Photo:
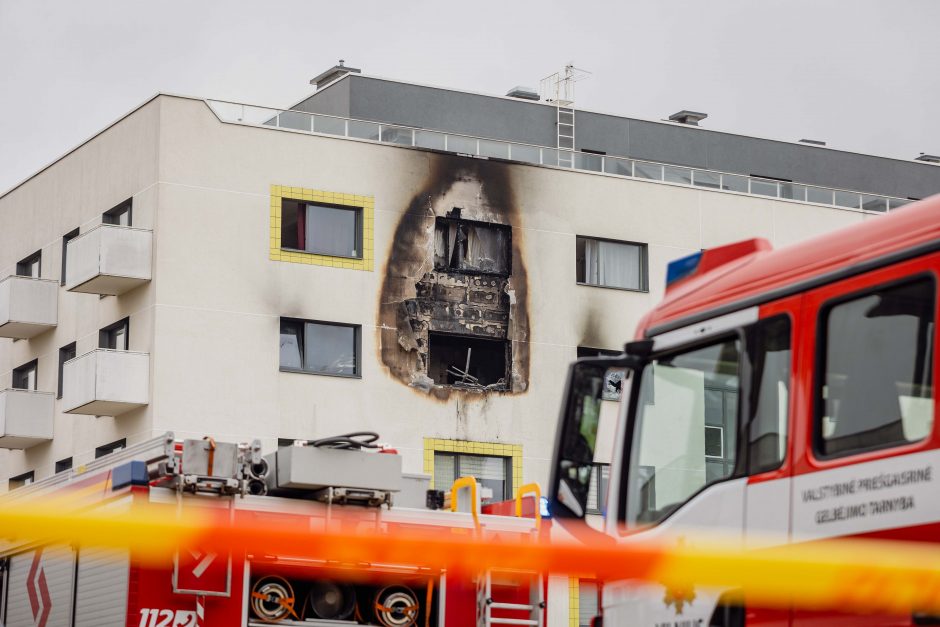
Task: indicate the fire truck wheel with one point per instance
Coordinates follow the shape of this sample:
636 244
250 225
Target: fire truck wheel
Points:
330 600
272 599
396 606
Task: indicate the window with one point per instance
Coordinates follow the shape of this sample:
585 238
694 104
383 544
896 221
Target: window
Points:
68 237
24 377
334 230
875 374
113 447
120 215
63 464
469 361
770 394
31 266
490 471
588 601
66 353
115 336
609 263
682 397
320 347
22 480
472 247
597 489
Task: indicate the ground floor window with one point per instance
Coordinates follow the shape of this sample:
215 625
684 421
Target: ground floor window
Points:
490 471
588 601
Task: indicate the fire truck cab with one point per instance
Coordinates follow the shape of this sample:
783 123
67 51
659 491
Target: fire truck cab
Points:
776 396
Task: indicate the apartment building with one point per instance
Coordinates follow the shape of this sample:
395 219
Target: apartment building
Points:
383 256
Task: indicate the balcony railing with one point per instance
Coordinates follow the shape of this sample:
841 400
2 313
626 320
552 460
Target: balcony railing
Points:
106 382
28 306
26 418
108 259
543 155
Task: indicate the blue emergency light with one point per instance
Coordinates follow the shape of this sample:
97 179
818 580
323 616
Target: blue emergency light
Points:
682 267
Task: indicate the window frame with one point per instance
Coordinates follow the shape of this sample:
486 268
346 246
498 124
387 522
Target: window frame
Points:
505 228
105 334
358 211
357 347
113 215
28 477
60 465
62 349
644 264
824 308
110 447
508 490
33 365
68 237
28 261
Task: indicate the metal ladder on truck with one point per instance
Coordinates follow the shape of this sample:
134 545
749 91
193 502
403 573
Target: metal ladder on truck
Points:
504 597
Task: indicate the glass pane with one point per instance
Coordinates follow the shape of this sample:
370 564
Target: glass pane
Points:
771 380
293 222
290 345
490 472
331 126
707 179
763 188
424 139
329 348
644 170
364 130
445 471
878 360
459 143
295 120
820 195
678 396
499 150
874 203
587 161
612 264
549 156
897 203
793 192
332 231
847 199
623 167
396 135
734 183
522 152
673 174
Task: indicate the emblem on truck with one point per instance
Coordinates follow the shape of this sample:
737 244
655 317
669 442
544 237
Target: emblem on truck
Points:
679 597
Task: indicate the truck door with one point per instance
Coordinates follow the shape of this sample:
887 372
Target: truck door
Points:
865 450
766 433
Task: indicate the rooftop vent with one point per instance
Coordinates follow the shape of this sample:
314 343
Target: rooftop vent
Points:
688 117
332 74
814 142
526 93
927 158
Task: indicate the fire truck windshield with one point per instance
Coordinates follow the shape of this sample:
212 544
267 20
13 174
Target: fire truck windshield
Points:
684 430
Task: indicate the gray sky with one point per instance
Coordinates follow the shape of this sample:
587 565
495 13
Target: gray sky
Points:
863 75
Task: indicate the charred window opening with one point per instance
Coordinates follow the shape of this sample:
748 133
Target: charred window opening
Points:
472 247
460 360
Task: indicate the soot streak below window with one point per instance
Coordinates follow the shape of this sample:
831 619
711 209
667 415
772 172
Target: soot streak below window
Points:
474 247
461 360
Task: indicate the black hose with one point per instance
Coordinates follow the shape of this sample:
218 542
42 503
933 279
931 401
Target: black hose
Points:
349 441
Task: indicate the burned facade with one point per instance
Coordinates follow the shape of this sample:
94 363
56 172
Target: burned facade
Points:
452 314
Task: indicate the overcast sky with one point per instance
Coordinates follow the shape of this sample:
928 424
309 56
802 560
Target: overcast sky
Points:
863 75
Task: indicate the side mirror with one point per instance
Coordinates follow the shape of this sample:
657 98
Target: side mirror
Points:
590 381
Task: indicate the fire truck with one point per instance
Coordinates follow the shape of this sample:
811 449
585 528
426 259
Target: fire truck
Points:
774 396
346 483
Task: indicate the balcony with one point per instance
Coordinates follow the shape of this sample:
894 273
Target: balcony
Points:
106 382
28 306
25 418
109 259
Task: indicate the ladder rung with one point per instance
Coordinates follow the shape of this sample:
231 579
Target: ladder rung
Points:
511 606
513 621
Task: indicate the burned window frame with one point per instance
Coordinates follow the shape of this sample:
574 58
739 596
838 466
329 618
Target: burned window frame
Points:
298 204
507 360
454 220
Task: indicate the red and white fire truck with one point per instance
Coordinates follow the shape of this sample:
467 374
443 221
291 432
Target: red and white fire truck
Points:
330 483
778 396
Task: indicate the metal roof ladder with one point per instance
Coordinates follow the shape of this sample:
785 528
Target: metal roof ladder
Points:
565 137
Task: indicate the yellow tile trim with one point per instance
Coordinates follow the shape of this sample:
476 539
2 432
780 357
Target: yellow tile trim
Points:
574 602
431 445
366 203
